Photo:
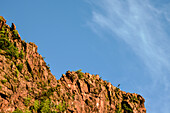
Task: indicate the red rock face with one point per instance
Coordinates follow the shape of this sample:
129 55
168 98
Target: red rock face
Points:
27 85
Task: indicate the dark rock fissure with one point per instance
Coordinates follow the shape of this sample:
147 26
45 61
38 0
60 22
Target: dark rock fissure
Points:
3 95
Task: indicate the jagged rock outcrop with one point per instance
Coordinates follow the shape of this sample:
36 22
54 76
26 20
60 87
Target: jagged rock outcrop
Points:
27 85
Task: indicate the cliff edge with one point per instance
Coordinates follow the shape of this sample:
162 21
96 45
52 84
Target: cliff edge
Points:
27 85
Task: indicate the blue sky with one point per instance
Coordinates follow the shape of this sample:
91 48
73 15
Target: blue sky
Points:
124 41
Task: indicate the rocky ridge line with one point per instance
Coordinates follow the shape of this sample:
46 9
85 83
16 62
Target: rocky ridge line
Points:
27 85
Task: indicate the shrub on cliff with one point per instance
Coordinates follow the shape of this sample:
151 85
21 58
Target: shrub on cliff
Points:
80 74
20 66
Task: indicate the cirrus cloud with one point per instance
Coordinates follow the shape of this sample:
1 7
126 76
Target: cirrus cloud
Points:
143 26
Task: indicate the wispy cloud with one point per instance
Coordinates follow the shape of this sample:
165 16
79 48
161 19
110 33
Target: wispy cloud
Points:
143 27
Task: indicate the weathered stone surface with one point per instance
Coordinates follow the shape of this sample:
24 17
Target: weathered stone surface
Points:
2 21
26 81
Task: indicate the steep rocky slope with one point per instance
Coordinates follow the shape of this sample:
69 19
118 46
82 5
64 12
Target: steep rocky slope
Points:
27 85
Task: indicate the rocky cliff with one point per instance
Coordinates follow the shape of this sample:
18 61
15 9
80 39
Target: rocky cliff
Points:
27 85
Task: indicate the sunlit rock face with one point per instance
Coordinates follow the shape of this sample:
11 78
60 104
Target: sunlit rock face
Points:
27 85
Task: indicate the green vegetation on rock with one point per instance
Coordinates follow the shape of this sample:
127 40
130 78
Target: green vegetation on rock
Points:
36 105
126 108
80 74
27 78
4 81
17 111
62 107
21 54
17 73
1 18
15 32
20 66
27 101
10 49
